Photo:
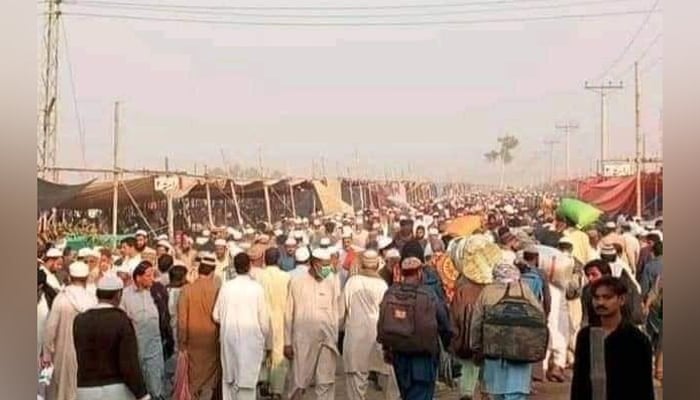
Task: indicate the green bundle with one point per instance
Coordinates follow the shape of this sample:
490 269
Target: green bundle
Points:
581 213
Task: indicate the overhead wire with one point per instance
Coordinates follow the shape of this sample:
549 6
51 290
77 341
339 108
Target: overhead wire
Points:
309 8
81 131
221 12
622 54
640 57
353 24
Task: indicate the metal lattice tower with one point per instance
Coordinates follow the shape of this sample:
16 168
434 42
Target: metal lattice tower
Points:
48 96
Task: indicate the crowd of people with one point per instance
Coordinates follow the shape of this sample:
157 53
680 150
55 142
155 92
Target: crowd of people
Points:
272 310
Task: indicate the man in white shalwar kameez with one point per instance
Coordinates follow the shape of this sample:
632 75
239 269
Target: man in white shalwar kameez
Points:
59 348
311 329
362 295
245 336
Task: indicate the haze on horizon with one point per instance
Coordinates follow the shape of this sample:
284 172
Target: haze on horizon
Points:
436 96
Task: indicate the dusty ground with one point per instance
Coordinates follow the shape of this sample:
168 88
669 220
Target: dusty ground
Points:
547 391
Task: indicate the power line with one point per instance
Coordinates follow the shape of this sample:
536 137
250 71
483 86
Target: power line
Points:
641 56
209 11
81 131
310 8
631 42
388 23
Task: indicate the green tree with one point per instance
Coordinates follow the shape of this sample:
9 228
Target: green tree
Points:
503 154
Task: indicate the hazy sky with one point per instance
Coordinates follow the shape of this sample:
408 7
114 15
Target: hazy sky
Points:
437 96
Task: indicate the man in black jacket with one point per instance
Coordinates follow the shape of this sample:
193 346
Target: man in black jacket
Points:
627 353
106 349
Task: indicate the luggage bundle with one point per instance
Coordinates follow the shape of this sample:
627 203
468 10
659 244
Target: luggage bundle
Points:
582 214
558 267
475 256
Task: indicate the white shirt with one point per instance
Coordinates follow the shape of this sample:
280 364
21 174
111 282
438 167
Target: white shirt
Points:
51 279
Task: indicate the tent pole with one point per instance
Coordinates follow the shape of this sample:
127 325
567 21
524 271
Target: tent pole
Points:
267 203
209 212
291 196
115 193
171 217
235 203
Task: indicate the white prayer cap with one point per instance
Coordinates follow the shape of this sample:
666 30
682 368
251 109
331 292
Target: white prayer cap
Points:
164 243
321 254
359 220
79 269
206 233
376 226
230 231
383 242
317 222
610 225
290 242
566 240
305 220
54 253
245 245
302 254
403 218
124 268
179 263
85 252
347 232
201 240
325 242
508 209
237 235
433 231
220 243
249 231
298 235
110 282
393 253
162 238
278 232
141 232
658 233
333 250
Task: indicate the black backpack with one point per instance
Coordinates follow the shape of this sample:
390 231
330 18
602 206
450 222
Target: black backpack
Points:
408 320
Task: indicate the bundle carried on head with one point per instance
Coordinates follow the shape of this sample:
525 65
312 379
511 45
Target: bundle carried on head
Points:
581 213
475 256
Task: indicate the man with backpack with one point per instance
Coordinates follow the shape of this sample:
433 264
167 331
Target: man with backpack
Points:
509 333
412 321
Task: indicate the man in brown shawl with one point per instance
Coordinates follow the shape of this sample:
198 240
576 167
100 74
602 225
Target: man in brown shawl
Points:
198 335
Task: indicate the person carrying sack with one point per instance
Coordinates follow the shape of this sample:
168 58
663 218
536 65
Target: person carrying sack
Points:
508 334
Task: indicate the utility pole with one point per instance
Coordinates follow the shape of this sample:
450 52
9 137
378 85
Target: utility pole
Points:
47 129
115 182
260 162
639 139
603 91
567 128
550 144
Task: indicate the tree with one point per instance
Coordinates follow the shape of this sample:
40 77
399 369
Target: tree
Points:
504 154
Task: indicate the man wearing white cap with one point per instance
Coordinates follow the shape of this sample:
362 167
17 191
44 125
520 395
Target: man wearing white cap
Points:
302 256
197 334
360 312
612 237
286 259
311 329
59 348
50 266
242 314
224 263
106 349
142 241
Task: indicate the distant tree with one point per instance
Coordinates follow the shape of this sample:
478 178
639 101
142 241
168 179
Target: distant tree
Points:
504 154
